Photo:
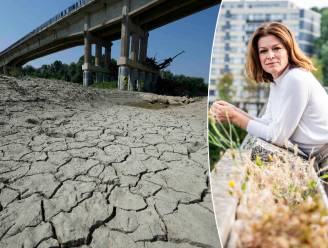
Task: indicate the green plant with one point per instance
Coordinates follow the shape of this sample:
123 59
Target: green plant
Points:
222 136
15 72
105 85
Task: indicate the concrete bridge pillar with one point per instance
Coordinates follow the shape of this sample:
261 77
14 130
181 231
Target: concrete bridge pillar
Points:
133 85
107 58
86 67
143 48
134 74
123 77
142 58
124 72
98 63
141 80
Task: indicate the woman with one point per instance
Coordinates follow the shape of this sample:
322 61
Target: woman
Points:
297 108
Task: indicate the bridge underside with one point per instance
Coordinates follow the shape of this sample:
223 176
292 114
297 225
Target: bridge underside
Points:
100 23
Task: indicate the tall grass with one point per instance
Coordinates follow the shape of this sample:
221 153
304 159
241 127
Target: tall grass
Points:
222 136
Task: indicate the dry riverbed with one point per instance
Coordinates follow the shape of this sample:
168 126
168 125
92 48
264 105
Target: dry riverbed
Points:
83 167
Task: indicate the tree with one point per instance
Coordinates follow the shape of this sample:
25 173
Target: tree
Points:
319 72
324 62
72 72
225 87
180 85
321 46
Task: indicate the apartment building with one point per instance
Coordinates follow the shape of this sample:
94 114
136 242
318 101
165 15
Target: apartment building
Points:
236 23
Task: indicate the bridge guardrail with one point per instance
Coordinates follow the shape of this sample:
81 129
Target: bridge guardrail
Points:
74 7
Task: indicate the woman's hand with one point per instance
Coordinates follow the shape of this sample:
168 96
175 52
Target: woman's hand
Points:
223 111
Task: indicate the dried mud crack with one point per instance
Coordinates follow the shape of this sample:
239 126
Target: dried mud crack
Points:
81 167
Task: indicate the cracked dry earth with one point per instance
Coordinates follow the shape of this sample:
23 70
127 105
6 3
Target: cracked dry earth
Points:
79 170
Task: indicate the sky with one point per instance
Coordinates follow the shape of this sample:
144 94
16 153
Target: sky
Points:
194 34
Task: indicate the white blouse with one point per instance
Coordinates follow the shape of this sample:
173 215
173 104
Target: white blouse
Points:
297 110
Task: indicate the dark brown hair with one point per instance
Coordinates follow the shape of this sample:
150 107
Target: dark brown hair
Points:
296 57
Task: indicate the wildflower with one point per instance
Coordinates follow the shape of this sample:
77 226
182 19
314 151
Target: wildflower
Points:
232 184
270 158
258 161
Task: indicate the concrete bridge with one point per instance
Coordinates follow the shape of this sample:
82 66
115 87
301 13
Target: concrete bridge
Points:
100 22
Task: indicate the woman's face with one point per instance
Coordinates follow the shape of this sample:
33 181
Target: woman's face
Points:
273 55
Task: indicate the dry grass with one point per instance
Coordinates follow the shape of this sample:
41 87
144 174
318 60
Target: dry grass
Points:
280 206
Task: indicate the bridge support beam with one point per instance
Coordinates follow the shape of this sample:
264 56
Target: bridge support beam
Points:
98 63
132 68
123 71
12 70
101 66
108 50
86 67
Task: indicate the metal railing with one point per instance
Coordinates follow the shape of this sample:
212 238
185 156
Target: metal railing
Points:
74 7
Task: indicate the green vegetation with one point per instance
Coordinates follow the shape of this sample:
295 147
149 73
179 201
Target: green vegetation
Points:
319 72
105 85
71 73
14 72
222 137
225 87
321 46
167 84
180 85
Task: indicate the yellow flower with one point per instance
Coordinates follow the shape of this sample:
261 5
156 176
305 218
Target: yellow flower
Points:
232 184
